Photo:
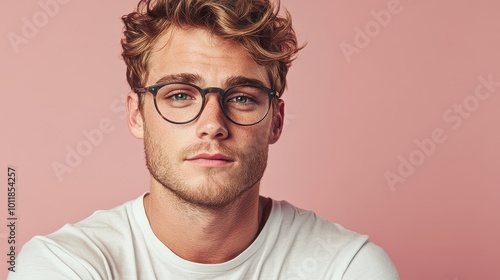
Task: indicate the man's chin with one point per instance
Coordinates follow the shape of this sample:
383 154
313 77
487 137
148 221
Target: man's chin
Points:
208 197
209 191
208 182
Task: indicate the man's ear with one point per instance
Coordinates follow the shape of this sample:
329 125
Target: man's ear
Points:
278 121
134 116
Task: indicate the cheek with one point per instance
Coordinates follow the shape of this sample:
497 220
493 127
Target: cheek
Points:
160 135
258 137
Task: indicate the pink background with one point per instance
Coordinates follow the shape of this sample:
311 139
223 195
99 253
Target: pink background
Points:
349 119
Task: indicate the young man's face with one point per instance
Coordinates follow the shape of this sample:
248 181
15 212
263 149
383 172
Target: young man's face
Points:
210 161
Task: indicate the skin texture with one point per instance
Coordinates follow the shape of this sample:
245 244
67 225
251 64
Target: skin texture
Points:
213 205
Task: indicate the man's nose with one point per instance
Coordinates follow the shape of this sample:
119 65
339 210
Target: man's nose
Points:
212 123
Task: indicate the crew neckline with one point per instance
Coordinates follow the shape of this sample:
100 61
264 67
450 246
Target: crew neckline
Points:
168 256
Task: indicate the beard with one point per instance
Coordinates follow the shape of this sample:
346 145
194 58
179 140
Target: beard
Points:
214 188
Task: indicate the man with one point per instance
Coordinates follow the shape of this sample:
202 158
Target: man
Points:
207 79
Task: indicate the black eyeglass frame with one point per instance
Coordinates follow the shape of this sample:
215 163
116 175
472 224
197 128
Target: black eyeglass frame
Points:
204 91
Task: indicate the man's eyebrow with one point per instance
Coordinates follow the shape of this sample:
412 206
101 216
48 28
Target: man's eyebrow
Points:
198 80
182 77
241 80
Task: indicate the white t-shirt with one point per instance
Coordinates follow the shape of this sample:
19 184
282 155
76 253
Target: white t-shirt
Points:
119 244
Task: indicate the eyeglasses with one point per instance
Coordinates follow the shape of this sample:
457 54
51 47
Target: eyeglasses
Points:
180 102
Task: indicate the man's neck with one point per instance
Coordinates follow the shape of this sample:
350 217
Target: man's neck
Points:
206 235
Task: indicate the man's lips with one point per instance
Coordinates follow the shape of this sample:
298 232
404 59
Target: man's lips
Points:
210 160
211 157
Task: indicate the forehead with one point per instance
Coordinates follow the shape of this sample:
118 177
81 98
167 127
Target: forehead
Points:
196 51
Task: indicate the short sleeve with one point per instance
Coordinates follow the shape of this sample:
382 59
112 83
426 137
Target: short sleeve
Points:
371 263
41 258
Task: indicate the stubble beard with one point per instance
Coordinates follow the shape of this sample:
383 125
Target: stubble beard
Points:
212 193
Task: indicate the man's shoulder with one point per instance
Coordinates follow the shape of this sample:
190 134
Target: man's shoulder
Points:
307 222
311 242
80 248
304 231
102 224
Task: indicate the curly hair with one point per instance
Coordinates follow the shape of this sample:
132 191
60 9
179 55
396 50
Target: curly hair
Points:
255 25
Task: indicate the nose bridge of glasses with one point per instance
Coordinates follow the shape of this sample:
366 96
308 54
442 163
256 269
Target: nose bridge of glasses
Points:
208 90
219 91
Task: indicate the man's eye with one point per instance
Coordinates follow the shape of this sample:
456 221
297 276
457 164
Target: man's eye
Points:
180 96
240 99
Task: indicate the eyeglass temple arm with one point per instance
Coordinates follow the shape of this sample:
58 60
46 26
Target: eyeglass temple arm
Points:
140 90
